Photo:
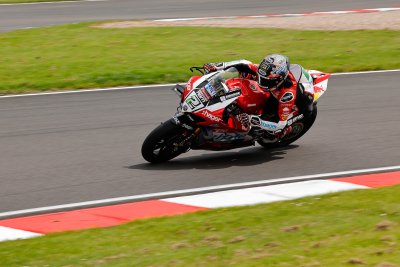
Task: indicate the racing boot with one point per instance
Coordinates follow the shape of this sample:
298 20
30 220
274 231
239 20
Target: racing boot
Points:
271 133
272 137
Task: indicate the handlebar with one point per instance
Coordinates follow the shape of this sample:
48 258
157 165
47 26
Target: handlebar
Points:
198 69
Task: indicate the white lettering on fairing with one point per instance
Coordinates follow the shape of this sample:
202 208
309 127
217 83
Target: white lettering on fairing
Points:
210 116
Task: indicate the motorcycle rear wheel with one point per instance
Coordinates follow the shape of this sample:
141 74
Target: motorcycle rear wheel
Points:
158 146
303 127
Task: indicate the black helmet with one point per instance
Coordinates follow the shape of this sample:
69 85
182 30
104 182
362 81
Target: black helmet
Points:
272 71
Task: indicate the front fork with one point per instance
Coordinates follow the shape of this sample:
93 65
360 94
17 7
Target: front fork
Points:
191 130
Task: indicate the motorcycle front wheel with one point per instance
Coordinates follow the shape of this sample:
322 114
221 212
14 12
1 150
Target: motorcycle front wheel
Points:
298 130
159 145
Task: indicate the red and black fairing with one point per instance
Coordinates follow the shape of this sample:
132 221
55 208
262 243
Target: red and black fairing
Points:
189 86
253 98
220 134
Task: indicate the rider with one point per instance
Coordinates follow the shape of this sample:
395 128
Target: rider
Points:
291 86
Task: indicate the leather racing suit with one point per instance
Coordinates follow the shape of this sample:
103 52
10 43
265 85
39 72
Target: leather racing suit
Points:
296 93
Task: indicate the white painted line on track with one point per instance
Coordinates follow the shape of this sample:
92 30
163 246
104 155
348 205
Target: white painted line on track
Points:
162 85
58 2
290 15
364 72
92 90
194 190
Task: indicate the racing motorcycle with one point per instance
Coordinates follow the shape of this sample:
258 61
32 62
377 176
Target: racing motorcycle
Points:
202 120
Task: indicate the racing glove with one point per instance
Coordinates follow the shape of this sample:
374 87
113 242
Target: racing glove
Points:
211 67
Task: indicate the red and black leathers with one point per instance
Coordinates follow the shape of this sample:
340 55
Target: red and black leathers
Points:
290 95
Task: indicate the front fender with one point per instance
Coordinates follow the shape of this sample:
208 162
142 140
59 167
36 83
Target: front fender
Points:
181 119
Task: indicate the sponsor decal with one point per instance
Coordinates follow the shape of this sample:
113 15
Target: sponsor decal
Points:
285 112
262 72
189 117
287 97
253 87
293 120
284 118
210 116
189 85
268 125
214 125
176 120
223 98
310 84
192 101
201 96
318 89
205 94
211 91
187 126
251 105
236 94
228 137
310 97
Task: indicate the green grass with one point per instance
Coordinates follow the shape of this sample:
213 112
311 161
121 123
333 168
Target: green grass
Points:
30 1
77 56
327 230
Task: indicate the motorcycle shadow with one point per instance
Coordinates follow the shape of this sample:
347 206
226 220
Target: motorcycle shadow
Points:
220 160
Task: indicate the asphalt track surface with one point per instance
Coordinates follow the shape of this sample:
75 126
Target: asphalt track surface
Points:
14 17
68 148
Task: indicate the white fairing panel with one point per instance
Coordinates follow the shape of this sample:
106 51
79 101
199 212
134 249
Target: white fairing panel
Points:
220 105
192 102
324 86
319 88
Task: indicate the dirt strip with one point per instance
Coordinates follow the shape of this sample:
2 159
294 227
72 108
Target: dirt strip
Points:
336 22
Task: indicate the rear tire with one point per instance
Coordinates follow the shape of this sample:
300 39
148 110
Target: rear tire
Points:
287 140
158 146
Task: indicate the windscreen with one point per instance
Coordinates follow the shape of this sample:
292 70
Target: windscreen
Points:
217 84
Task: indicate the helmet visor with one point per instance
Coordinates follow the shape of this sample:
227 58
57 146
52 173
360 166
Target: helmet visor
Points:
267 83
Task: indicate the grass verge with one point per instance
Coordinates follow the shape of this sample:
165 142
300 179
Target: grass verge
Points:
341 229
78 56
31 1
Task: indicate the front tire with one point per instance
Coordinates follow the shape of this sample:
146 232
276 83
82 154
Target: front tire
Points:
303 127
158 146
